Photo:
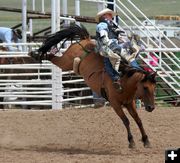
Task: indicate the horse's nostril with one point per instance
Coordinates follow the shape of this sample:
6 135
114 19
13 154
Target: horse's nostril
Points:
150 108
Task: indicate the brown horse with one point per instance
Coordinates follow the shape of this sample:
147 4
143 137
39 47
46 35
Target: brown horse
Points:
91 68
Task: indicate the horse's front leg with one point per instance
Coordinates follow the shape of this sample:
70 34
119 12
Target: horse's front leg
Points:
126 122
133 112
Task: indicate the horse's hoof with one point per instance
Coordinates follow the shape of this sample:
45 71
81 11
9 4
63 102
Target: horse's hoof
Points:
132 145
147 144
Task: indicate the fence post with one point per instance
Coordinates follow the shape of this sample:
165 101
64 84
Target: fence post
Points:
24 22
100 6
56 71
77 7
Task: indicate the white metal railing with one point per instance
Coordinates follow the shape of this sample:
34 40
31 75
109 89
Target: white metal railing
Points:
160 47
36 88
141 27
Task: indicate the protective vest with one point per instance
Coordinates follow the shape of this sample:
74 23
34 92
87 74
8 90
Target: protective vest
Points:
112 34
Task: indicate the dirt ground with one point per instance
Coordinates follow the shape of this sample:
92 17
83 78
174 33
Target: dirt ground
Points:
84 136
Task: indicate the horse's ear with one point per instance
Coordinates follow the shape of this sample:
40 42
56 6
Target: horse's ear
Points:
153 76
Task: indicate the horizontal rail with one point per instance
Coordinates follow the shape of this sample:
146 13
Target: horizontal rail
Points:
37 102
66 18
37 90
5 88
28 44
162 50
25 74
28 96
26 82
75 89
11 91
77 98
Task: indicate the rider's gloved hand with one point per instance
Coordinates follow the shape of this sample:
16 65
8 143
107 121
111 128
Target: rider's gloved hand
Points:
120 32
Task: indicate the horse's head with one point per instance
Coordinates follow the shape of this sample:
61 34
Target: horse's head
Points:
145 91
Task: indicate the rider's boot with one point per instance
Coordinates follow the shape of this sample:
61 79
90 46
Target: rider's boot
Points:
117 84
130 56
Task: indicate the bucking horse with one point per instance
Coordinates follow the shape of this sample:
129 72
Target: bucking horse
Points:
82 56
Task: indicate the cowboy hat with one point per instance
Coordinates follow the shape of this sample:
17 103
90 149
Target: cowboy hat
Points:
104 11
18 33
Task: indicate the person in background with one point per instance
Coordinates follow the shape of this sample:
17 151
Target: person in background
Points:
8 35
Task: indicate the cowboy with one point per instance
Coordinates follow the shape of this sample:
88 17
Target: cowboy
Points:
8 35
113 43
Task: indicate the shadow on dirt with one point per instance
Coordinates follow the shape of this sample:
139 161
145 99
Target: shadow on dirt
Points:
66 151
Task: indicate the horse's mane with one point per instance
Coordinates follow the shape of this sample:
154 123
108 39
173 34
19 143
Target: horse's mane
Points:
150 76
127 70
68 33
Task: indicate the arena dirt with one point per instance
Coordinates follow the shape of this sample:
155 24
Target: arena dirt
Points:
84 136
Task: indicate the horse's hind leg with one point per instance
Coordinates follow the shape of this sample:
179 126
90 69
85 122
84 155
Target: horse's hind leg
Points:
132 110
126 122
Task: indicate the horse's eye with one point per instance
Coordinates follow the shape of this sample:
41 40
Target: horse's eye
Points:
145 88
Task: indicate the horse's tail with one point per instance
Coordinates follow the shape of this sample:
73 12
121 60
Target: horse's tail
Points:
68 33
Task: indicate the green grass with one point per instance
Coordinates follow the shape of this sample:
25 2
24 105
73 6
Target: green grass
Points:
158 7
